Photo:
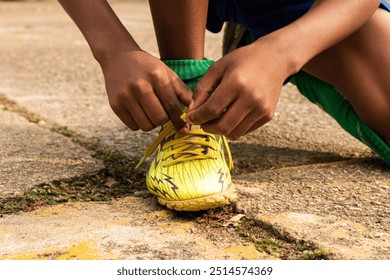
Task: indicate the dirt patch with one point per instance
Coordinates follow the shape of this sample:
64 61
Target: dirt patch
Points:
219 226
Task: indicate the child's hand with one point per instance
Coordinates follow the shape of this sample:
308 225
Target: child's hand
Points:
245 87
143 92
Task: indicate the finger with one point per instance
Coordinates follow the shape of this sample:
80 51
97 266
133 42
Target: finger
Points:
153 108
230 120
266 117
122 113
251 122
244 126
258 124
167 96
140 117
214 106
126 118
183 93
206 86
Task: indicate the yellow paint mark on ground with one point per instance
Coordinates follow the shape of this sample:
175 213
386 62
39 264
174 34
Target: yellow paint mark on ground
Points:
247 252
158 214
81 251
175 226
57 210
340 233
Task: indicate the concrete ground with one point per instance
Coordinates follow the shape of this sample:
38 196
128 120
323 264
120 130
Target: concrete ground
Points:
68 189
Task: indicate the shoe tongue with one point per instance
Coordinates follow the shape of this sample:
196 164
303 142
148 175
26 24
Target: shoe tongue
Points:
193 127
197 127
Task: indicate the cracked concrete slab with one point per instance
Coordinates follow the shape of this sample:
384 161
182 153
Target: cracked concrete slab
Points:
128 228
343 239
354 193
30 155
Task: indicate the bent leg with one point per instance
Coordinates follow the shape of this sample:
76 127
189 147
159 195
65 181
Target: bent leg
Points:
331 101
359 67
180 27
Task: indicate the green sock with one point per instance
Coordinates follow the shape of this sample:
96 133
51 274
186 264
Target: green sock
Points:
189 70
332 102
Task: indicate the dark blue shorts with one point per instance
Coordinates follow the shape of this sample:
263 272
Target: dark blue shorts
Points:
260 17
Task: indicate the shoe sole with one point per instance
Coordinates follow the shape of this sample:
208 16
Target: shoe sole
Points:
201 203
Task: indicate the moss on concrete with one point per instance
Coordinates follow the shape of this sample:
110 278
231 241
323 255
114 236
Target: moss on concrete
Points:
116 179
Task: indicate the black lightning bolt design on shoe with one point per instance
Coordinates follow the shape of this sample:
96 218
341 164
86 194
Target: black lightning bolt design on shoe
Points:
221 175
173 185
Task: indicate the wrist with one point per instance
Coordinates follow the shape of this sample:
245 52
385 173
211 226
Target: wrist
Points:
288 49
100 26
104 51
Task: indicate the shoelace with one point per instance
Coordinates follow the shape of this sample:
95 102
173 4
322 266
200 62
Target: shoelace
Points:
184 147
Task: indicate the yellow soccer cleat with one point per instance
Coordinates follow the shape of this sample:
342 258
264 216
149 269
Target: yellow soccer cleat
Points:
189 172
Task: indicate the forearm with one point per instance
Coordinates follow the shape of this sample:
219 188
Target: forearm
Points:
324 25
100 26
180 27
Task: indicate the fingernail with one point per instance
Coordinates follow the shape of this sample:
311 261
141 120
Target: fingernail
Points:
184 130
